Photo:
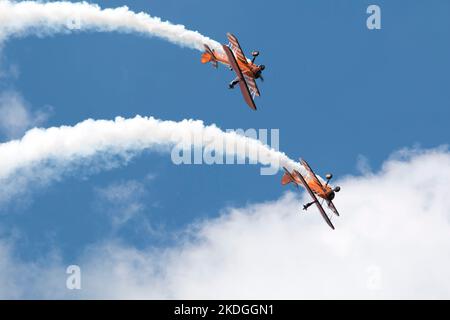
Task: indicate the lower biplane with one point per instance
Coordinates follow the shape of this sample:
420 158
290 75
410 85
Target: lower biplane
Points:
247 70
315 189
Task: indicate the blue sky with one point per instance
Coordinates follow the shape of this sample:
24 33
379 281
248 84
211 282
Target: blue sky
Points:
335 90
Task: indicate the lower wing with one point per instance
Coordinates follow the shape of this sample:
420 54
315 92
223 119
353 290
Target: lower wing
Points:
332 207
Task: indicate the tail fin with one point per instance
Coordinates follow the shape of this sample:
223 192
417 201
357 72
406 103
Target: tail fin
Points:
286 179
208 56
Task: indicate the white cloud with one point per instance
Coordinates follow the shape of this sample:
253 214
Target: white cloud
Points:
391 241
16 116
363 165
121 200
9 71
24 280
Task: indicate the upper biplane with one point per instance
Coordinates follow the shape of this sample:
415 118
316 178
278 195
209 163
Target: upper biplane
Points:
315 189
246 70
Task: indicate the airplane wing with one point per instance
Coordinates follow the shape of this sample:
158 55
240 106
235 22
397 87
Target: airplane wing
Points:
251 83
312 175
242 80
313 196
332 207
236 48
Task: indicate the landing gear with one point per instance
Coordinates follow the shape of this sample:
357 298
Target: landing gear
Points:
233 83
309 204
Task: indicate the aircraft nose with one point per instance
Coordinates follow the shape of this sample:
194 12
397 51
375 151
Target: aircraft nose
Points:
331 195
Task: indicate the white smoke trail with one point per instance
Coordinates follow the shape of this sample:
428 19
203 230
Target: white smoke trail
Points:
46 154
38 18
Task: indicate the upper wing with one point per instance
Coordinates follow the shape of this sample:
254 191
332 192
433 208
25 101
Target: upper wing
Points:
313 196
312 175
242 81
236 48
332 207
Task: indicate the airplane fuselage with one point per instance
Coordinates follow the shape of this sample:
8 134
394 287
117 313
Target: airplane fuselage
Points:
327 194
246 68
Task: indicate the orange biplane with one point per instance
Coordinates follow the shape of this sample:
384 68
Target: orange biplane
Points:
246 70
314 187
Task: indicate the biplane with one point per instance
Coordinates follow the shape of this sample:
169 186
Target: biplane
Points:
247 70
315 189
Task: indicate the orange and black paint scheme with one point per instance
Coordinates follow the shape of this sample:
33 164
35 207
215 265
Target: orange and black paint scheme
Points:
324 192
314 187
247 70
